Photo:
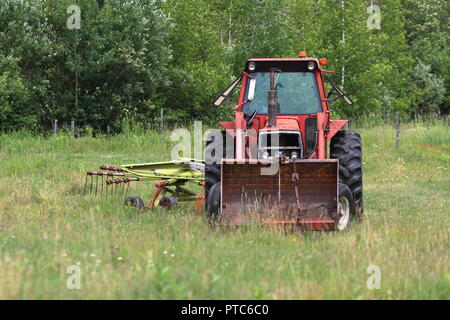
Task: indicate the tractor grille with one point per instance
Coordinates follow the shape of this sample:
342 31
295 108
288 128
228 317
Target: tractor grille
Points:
280 143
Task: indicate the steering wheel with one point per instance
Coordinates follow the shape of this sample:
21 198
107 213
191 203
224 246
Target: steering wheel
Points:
250 120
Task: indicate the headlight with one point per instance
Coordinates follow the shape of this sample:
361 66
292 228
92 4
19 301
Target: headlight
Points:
294 155
279 154
311 66
265 155
251 66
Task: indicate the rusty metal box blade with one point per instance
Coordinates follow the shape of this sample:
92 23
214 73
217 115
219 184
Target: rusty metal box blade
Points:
263 192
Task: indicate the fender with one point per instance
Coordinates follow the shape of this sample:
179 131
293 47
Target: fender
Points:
335 126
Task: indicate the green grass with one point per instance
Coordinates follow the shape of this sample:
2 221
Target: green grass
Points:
46 225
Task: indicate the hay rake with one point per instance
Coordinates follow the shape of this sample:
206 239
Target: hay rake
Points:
170 179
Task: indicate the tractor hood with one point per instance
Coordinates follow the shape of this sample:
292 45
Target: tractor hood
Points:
285 125
282 140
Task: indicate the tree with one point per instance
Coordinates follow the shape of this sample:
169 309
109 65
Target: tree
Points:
372 64
121 55
427 31
132 58
199 69
27 49
430 90
14 97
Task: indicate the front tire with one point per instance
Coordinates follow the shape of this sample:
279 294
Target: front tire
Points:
346 146
345 207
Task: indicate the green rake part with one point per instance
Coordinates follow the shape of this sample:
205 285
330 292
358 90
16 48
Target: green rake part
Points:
170 179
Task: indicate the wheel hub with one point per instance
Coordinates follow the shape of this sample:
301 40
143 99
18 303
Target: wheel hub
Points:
343 212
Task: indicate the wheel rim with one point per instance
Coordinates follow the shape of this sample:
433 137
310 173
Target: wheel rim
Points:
343 212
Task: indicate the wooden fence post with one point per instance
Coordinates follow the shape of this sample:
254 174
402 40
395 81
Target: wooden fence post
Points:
161 125
72 128
397 130
55 127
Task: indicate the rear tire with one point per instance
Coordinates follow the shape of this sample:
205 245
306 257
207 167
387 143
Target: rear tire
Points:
345 207
346 146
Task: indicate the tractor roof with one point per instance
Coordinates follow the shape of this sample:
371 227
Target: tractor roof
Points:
284 64
283 59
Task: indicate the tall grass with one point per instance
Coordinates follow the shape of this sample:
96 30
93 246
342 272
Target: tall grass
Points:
46 225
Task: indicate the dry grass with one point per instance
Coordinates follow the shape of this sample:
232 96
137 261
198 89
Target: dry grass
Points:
46 225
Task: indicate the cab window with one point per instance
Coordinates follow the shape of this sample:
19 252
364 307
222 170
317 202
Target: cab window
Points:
297 93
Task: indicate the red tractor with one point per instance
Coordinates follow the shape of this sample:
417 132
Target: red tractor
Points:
270 165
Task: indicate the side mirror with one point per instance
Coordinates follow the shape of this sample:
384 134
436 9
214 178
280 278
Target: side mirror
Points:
339 93
251 89
224 95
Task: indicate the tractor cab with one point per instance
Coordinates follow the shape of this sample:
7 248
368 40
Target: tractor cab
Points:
288 128
294 87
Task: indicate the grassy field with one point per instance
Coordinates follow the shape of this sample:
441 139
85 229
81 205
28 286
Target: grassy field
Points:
46 225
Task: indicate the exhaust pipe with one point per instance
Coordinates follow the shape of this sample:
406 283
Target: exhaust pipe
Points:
272 94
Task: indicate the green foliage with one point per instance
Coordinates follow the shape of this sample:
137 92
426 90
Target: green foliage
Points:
373 64
428 36
121 58
252 28
429 89
120 54
135 57
27 49
13 96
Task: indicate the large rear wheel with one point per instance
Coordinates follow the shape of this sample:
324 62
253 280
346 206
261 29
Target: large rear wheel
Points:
213 201
346 146
213 160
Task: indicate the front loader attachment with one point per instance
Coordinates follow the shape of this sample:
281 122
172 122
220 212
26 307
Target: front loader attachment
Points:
302 193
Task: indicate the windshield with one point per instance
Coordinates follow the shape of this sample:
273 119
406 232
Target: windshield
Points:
297 93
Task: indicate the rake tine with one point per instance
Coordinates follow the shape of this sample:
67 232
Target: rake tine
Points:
85 184
101 189
128 187
96 185
92 184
